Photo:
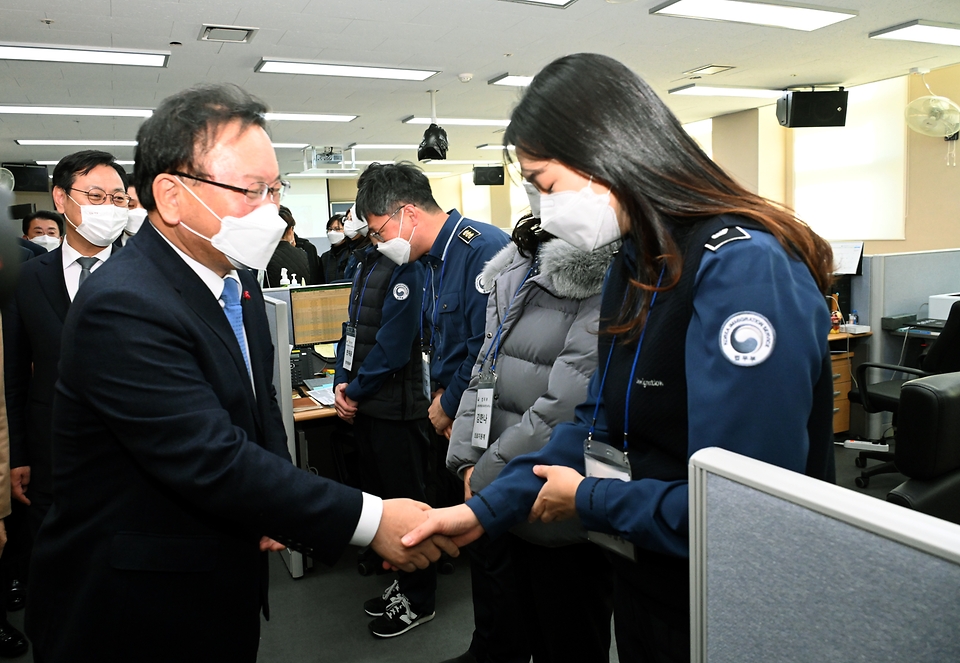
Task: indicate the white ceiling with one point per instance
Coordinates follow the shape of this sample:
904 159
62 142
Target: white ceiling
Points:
481 37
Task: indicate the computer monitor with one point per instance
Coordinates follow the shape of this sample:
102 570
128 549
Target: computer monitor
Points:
318 313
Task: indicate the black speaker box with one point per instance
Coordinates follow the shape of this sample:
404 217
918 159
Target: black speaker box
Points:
812 109
490 175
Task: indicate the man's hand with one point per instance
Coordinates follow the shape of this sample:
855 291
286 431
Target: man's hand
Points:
558 497
346 407
266 543
441 422
19 479
467 473
457 522
399 517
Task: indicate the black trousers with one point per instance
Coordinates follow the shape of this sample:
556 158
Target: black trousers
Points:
392 457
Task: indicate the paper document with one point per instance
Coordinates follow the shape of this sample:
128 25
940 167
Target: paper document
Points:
323 395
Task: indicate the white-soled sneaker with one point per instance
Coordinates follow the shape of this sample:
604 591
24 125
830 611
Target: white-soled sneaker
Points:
376 606
398 618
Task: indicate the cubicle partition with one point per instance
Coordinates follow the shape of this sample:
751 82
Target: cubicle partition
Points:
787 568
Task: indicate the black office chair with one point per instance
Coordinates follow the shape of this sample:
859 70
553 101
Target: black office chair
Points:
928 446
943 356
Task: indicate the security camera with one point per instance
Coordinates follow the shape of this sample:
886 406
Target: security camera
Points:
465 78
434 144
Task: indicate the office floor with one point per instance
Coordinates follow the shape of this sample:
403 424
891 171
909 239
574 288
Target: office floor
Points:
319 618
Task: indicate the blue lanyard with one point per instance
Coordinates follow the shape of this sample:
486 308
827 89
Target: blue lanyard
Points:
633 368
495 346
359 304
438 287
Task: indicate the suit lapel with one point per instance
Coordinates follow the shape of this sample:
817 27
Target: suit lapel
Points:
52 284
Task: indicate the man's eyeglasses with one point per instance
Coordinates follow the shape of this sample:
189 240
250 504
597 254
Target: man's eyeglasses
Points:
375 234
255 194
98 196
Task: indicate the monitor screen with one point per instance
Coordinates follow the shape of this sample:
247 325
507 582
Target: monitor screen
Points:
318 313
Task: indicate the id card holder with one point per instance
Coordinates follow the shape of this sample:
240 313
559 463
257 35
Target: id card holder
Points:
349 347
484 410
425 353
606 462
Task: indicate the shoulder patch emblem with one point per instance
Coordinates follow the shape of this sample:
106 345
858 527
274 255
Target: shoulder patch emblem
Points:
725 236
468 234
479 285
401 291
747 339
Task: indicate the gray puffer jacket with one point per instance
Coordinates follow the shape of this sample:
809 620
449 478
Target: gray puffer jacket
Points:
547 355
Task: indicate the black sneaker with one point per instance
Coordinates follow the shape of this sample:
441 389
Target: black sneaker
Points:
376 607
398 618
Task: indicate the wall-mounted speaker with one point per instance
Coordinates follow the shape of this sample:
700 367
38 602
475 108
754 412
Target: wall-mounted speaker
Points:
812 109
488 175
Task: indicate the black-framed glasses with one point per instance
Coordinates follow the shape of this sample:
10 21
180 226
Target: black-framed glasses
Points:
375 234
255 194
98 196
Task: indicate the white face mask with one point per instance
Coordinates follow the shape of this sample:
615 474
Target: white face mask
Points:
135 219
334 237
49 242
354 225
583 218
533 195
398 248
248 241
100 224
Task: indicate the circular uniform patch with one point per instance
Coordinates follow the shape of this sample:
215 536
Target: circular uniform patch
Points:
747 338
401 291
479 285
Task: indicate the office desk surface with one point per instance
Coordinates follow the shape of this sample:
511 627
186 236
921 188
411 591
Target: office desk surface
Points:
844 335
306 409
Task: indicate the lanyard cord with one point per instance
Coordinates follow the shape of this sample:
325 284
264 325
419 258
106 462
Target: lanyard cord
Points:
359 304
495 346
636 357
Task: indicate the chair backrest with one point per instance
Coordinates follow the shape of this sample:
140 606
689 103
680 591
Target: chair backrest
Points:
928 426
944 353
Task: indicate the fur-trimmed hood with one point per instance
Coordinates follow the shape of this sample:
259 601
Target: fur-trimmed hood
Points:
572 273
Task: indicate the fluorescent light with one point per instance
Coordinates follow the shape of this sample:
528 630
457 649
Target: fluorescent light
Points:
463 162
559 4
457 121
695 90
507 79
289 146
436 174
73 143
272 66
494 146
381 146
39 53
67 110
308 117
54 163
927 32
777 15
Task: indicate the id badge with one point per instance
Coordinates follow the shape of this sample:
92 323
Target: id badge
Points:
484 410
349 347
425 371
605 462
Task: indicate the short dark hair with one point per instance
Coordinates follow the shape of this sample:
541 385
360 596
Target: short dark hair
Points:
287 216
336 218
43 214
383 188
186 125
80 163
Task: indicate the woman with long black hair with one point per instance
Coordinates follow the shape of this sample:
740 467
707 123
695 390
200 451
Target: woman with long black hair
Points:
713 333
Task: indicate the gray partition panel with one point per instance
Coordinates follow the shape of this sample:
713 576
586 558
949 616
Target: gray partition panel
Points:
786 568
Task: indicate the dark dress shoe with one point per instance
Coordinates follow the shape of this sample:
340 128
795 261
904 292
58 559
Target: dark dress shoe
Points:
12 642
17 596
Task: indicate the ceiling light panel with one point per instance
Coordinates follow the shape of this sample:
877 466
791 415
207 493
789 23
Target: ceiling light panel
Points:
927 32
67 110
308 117
457 121
511 80
233 34
557 4
75 143
494 146
54 163
694 90
381 146
273 66
38 53
771 14
289 146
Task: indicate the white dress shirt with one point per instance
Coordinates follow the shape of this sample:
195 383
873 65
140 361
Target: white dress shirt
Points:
372 510
72 269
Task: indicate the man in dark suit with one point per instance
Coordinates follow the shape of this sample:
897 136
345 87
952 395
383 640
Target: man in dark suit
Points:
171 468
33 320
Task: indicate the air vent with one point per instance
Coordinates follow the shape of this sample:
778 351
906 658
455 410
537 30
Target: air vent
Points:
227 33
708 70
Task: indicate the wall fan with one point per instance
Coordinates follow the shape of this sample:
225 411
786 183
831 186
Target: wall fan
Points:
6 180
933 116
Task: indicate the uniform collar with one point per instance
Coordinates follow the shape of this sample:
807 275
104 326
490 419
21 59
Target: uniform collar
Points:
443 239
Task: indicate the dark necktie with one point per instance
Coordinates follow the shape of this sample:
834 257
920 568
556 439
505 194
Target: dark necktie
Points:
85 265
234 312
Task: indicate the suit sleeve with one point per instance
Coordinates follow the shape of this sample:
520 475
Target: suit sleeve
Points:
4 456
17 352
179 432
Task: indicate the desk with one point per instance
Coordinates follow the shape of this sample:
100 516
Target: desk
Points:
841 356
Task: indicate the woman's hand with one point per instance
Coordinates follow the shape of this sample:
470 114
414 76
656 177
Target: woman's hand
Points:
558 497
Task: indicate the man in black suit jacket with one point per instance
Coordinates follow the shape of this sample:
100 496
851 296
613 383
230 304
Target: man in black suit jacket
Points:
171 468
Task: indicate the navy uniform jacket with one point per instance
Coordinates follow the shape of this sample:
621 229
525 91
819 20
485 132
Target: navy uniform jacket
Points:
455 305
399 327
761 411
170 463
